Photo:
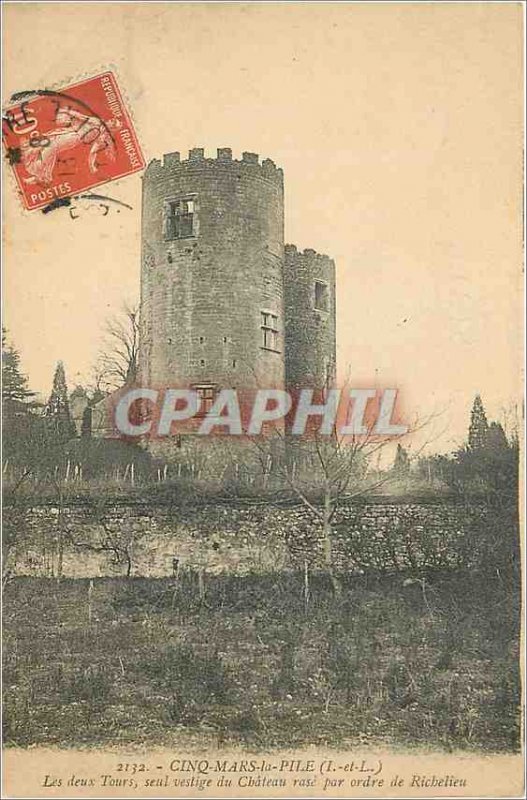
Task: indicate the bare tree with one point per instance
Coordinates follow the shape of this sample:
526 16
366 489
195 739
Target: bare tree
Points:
117 362
323 472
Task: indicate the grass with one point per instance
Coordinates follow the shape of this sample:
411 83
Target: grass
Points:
148 661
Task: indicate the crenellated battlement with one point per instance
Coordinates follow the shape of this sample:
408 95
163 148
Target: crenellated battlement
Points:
292 251
224 159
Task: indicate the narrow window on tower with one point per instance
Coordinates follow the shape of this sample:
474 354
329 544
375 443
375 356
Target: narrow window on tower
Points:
321 296
207 394
180 222
269 328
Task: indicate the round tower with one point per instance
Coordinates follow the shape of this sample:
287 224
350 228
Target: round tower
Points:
310 319
212 306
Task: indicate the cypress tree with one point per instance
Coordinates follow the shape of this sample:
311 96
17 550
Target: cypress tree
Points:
57 411
479 427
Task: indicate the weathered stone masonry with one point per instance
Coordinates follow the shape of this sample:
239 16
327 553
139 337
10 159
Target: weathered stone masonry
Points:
310 315
383 536
222 303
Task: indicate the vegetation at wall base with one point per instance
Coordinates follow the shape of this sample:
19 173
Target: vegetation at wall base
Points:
251 662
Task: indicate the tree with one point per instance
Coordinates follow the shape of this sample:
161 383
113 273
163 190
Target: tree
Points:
323 472
86 424
57 410
496 438
401 465
15 392
487 468
479 427
118 357
488 463
22 422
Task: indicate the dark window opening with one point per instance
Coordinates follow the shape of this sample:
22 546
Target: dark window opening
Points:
202 362
201 339
321 296
234 363
269 327
206 395
180 219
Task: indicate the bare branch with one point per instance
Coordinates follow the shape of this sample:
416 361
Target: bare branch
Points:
117 362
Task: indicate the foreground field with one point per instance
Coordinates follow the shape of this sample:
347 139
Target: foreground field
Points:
246 660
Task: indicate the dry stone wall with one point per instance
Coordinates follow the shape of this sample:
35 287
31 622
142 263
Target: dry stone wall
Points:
90 540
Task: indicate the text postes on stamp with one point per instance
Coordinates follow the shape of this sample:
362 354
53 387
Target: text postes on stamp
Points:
60 143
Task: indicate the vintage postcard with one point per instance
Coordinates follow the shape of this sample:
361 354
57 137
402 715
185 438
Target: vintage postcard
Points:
262 400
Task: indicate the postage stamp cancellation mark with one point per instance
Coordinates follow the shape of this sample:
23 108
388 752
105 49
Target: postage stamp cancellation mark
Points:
60 143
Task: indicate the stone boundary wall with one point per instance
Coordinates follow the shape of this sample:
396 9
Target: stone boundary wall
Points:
107 538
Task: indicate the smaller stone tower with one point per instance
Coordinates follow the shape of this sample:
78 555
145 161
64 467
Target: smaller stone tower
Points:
310 319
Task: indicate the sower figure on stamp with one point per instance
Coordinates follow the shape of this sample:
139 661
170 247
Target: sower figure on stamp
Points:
73 129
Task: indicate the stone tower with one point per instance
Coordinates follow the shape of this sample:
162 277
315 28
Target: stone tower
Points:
310 319
212 285
223 303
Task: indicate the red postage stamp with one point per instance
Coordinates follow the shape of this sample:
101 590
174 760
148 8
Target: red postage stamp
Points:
60 143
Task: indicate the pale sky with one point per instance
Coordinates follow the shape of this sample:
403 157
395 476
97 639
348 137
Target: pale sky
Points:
399 129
